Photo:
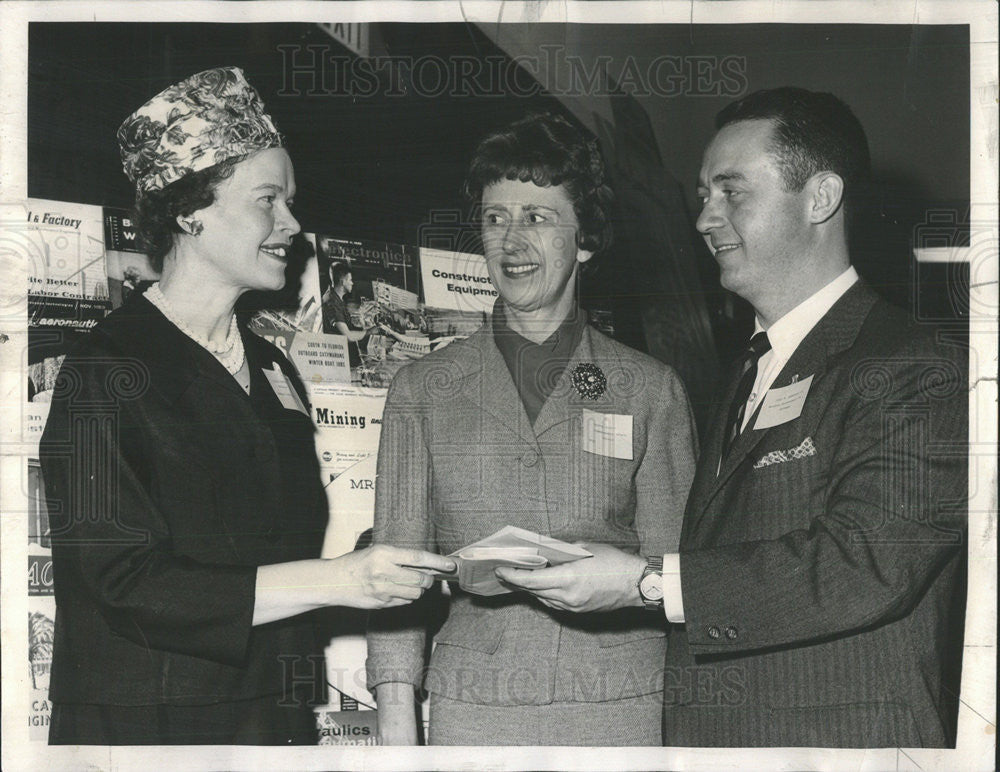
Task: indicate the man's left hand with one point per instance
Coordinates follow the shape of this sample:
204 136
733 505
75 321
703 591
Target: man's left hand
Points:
607 581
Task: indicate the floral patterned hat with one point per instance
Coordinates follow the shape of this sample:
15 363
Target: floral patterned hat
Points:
202 121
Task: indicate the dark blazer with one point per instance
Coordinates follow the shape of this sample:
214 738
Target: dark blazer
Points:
167 487
459 459
822 569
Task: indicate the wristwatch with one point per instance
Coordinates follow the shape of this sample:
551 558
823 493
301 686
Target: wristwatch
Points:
651 583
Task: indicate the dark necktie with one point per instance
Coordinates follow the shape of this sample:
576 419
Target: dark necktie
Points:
759 345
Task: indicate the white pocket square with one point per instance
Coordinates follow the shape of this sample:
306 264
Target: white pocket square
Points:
802 450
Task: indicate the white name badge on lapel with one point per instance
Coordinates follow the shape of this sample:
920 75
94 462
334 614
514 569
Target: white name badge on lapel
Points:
783 405
284 391
607 434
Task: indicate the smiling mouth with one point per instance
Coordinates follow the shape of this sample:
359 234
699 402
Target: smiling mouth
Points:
725 248
278 251
518 271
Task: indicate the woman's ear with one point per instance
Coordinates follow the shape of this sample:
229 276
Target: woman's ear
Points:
190 225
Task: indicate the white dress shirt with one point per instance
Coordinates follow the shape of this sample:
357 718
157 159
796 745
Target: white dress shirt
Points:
785 336
788 332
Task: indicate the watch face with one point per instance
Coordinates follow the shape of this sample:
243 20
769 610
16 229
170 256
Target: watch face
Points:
651 587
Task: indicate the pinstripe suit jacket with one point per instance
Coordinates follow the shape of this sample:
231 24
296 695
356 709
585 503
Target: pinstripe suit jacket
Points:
459 460
822 568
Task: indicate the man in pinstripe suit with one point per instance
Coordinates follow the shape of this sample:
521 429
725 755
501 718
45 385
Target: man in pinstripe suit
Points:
818 594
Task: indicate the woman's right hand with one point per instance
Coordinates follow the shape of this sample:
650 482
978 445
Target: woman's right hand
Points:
396 717
382 576
377 577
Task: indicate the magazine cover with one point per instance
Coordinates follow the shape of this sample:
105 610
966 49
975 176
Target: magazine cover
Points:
456 281
458 293
380 297
67 284
349 718
394 264
296 306
41 598
321 359
129 268
47 347
67 277
349 423
41 603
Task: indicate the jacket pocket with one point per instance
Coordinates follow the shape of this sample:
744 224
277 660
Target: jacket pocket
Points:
863 724
479 633
608 638
614 628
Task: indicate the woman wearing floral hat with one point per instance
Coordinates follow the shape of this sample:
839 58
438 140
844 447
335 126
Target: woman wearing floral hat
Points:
185 497
541 422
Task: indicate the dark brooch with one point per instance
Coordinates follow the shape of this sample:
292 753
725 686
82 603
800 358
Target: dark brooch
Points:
589 380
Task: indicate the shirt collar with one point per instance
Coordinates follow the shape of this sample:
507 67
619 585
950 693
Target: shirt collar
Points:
787 333
561 343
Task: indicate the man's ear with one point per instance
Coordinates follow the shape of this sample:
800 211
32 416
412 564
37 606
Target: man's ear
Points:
826 191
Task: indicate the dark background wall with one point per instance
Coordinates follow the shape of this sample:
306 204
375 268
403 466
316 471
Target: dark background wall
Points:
366 167
367 161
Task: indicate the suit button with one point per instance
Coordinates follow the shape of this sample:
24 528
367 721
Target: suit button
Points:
732 633
714 632
530 458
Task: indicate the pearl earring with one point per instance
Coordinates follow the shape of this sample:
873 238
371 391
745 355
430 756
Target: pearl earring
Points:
196 227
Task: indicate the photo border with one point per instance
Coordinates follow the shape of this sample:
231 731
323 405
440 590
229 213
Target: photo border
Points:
976 730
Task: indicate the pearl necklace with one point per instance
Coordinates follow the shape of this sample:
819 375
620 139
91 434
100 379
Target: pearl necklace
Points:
230 354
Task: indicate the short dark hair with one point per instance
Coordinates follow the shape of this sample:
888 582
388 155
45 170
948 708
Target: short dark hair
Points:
548 150
156 211
338 271
813 132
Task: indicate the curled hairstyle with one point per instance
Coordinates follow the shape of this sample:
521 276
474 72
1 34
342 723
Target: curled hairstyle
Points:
156 211
548 150
813 132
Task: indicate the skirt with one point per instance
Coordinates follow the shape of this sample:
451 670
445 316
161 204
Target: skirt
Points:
630 721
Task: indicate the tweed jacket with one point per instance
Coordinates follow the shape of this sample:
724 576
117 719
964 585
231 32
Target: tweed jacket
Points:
459 460
822 568
167 487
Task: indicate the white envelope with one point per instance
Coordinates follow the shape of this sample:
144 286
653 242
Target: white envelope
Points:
510 546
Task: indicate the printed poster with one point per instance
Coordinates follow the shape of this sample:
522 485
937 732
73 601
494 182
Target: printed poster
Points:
456 281
67 275
320 359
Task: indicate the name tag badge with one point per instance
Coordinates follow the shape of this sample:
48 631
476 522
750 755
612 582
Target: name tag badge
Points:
284 391
783 405
607 434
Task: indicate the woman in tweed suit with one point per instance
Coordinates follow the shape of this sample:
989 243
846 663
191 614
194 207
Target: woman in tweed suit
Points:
500 430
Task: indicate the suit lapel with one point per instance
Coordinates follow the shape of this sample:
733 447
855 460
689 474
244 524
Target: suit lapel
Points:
565 401
834 333
706 474
488 384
